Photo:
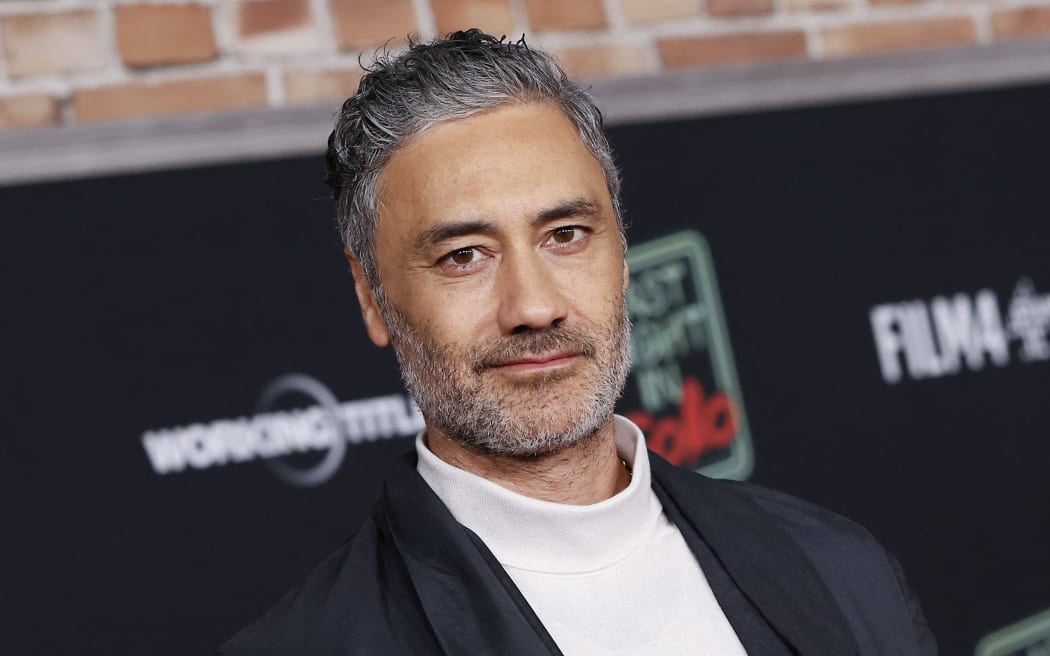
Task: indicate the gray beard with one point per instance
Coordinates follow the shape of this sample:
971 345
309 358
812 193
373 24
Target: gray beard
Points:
447 385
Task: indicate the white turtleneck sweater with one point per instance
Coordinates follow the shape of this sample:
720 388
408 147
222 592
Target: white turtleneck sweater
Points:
615 577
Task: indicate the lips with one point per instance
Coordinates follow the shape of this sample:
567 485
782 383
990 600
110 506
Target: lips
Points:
537 362
534 350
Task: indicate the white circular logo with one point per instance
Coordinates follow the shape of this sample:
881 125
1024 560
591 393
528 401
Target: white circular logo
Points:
313 388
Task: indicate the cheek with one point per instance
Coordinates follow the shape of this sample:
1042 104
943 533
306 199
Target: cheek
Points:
595 283
457 321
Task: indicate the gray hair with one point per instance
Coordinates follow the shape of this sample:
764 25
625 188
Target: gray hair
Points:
445 79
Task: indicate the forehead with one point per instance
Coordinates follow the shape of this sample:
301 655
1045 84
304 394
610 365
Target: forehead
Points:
502 164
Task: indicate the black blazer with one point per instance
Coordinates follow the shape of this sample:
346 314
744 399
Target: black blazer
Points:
414 581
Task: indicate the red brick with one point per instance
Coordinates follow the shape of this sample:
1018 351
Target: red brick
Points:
492 16
47 44
316 87
1021 23
156 35
650 11
275 26
798 6
31 110
176 97
259 17
913 34
603 60
561 15
362 23
683 52
729 8
892 3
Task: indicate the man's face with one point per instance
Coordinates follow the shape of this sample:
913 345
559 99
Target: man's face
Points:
503 277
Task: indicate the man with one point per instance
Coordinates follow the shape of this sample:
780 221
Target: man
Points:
478 200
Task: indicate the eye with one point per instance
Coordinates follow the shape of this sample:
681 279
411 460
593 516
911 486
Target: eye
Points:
567 237
463 256
564 235
462 260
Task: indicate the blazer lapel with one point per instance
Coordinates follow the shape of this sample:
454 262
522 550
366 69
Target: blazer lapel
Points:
471 603
767 565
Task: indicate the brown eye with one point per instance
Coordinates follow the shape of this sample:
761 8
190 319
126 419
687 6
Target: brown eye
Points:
564 235
465 256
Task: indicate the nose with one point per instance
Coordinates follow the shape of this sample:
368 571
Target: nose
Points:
530 295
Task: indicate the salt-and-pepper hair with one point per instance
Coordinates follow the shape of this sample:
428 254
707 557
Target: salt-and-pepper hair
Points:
450 78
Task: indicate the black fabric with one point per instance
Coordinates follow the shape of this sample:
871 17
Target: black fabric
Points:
822 581
753 630
469 609
768 566
414 581
512 590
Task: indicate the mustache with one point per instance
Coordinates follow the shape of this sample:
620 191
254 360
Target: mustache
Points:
532 343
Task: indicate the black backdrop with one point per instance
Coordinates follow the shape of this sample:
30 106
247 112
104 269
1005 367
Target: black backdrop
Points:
148 302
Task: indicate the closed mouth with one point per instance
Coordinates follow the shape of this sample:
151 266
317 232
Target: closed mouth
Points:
533 362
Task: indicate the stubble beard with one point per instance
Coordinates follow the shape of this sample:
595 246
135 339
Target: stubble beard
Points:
458 391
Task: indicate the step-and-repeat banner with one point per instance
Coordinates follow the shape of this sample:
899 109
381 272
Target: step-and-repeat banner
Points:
848 303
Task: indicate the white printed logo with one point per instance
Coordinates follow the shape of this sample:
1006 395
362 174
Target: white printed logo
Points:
269 435
941 337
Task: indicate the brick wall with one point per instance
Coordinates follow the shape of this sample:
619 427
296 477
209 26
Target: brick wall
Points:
82 61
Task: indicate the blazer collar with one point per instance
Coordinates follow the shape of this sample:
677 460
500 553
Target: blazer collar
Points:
467 597
765 562
474 607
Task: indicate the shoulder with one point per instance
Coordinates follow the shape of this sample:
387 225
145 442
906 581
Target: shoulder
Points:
348 604
864 579
812 526
845 554
801 519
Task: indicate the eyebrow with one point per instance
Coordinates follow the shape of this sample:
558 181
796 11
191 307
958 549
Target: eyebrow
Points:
447 231
576 207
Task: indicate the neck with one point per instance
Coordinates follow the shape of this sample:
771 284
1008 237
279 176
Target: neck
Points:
581 474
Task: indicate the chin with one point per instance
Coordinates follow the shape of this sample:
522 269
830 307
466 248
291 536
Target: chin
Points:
529 434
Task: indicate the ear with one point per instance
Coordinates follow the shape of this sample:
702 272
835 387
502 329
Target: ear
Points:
374 323
626 274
